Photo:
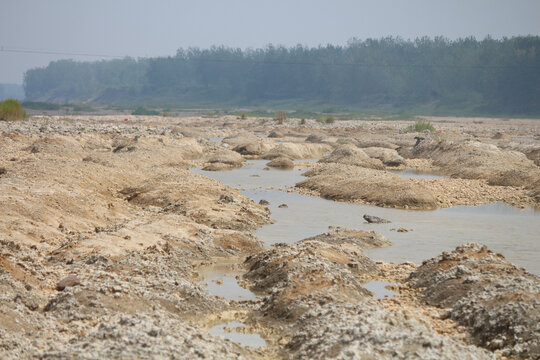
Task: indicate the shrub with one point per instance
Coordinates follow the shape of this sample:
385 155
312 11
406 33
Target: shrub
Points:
143 111
421 125
326 119
303 121
11 109
280 116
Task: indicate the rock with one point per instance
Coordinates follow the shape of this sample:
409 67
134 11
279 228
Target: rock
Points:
281 163
2 171
375 220
264 202
68 281
282 206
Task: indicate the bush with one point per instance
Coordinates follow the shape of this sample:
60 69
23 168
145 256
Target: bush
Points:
11 109
421 125
326 119
143 111
280 116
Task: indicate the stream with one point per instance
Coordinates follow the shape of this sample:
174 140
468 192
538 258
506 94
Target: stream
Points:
511 231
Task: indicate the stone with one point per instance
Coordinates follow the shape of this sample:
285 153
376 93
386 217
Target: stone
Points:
68 281
375 219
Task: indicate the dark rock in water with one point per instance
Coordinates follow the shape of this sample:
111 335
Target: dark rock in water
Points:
70 280
283 206
264 202
375 220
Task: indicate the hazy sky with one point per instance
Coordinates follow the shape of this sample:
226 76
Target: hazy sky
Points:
159 27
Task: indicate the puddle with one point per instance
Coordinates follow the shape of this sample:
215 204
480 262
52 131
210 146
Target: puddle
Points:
227 330
411 174
523 139
379 290
216 139
220 280
503 228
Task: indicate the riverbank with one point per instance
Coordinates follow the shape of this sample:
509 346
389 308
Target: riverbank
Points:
106 232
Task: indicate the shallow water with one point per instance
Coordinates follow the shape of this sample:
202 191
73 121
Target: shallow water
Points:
379 290
227 331
513 232
221 281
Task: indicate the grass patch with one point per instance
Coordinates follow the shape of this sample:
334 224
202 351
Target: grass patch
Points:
11 109
38 105
326 119
144 111
421 125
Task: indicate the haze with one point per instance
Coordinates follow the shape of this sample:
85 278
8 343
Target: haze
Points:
157 28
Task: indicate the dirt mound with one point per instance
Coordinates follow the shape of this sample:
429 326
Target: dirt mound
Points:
249 144
290 274
349 154
363 239
358 184
389 157
476 160
497 301
375 143
224 160
534 155
172 194
296 151
281 163
367 330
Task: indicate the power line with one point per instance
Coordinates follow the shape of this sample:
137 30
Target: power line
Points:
53 52
274 62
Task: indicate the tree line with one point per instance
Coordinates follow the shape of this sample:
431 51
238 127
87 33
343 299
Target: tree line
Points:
489 75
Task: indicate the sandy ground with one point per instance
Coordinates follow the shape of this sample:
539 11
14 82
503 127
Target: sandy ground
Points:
104 231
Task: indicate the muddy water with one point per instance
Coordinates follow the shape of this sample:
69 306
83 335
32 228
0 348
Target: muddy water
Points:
220 279
380 289
511 231
232 331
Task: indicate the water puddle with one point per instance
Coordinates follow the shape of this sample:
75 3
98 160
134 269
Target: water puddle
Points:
380 290
503 228
220 280
411 174
216 139
233 331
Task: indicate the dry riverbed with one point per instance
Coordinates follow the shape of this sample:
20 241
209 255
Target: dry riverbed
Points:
111 247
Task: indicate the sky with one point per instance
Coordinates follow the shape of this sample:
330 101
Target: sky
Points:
140 28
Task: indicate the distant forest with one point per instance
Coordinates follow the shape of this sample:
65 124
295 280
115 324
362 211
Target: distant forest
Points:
489 75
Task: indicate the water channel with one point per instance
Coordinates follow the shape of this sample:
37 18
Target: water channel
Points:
513 232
